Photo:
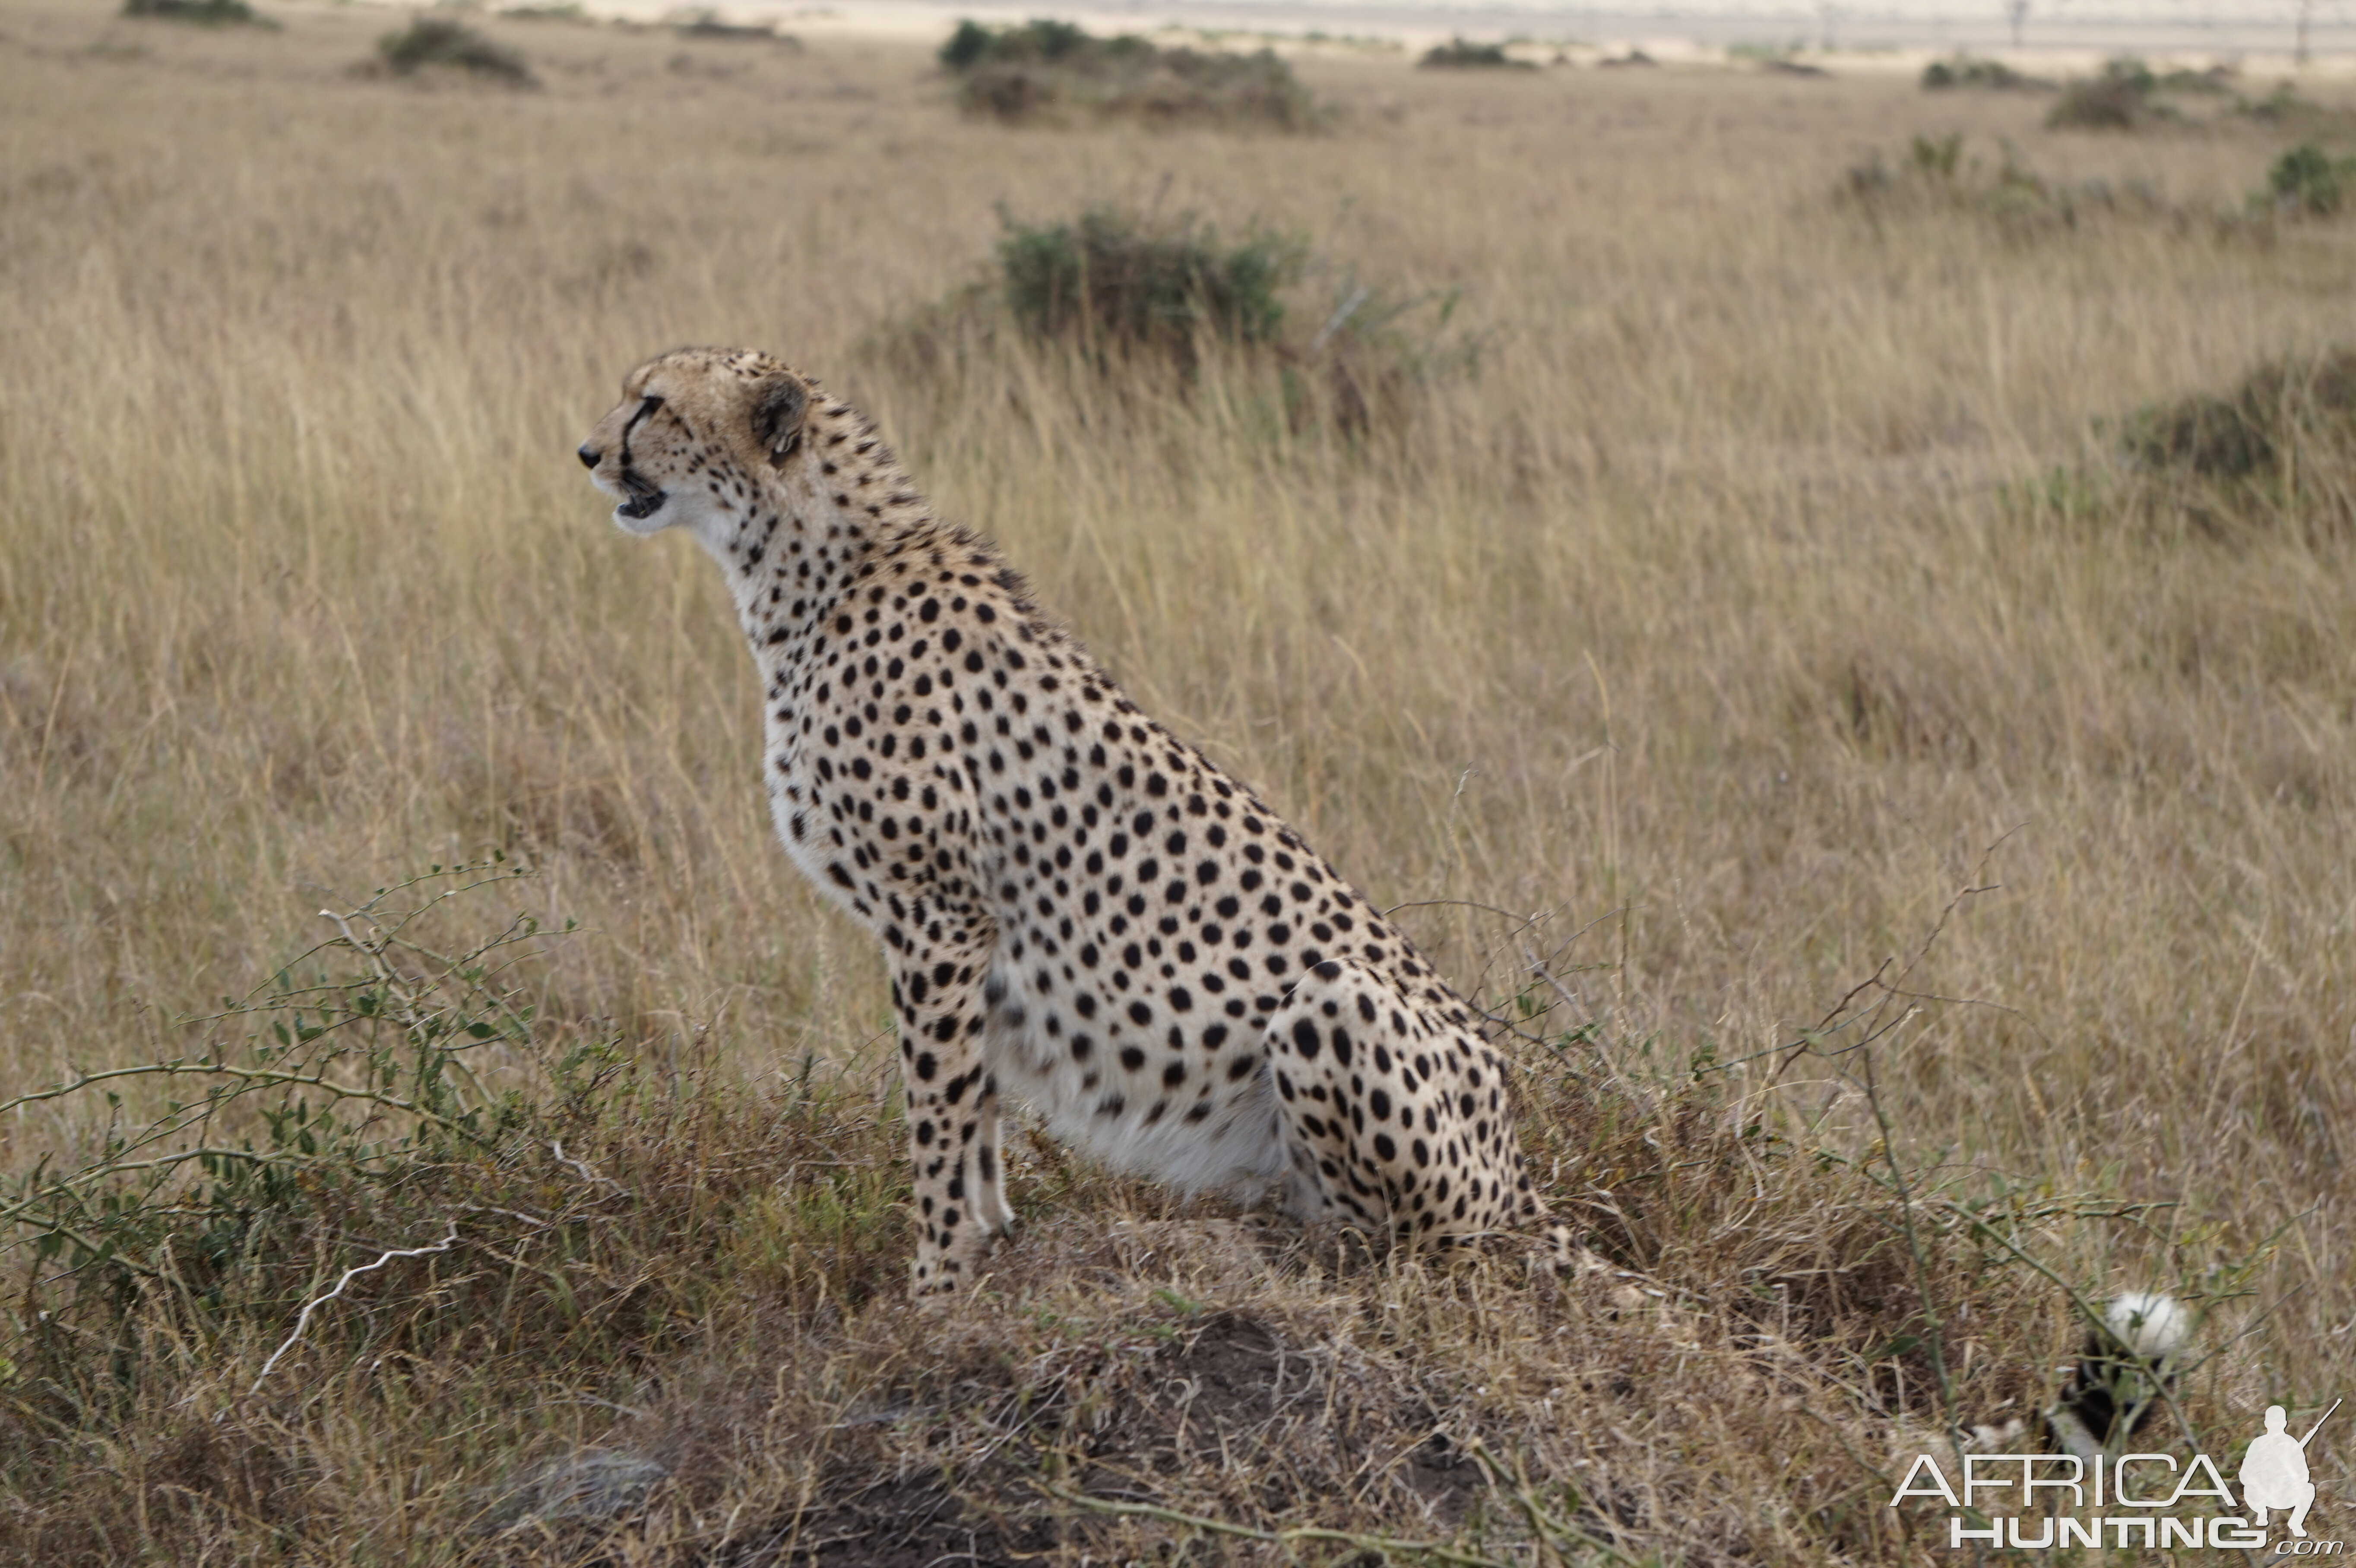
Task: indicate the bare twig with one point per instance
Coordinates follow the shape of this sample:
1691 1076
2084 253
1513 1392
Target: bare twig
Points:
1892 990
304 1320
1382 1544
1462 903
375 954
557 1148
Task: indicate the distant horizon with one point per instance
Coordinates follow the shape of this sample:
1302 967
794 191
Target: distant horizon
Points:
2262 33
2210 13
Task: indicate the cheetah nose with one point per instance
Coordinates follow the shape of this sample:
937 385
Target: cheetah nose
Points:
589 456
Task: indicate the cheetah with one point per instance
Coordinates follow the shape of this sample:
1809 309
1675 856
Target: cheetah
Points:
1078 909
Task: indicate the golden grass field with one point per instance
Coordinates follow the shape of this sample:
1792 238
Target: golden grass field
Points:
1769 595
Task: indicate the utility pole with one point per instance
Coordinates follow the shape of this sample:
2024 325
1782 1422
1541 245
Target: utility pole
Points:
2017 11
2305 14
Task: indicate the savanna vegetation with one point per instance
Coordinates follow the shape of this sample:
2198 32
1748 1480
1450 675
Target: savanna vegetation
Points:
1050 73
1850 670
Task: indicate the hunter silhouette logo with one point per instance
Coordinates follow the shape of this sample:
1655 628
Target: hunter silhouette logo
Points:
2274 1471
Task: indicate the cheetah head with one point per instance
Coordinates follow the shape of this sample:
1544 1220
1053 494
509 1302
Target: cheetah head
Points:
698 433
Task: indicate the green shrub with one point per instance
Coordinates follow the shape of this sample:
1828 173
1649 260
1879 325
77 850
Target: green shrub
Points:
2269 455
1931 167
2120 99
2278 412
1119 280
324 1082
2128 94
204 13
1936 158
1036 42
1148 304
966 46
2131 73
1964 71
2307 182
2103 104
1186 86
389 1152
441 42
703 22
2214 81
1458 54
1044 70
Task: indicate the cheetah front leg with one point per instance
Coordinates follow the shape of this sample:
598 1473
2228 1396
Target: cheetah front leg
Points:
959 1180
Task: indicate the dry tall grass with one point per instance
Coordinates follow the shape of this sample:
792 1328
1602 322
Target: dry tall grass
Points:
1768 581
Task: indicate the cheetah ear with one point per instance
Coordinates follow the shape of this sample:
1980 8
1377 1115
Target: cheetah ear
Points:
780 403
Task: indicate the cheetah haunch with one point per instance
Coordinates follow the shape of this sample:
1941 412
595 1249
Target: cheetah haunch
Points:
1078 908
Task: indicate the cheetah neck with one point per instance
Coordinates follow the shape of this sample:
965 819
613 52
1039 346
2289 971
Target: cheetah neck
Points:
795 552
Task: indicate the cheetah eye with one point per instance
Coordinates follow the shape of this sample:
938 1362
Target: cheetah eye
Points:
648 405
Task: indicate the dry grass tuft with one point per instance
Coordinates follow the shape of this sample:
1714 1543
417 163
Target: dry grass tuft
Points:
1905 851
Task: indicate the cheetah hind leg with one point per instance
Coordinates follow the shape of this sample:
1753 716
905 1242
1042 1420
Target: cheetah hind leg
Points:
1368 1090
1400 1125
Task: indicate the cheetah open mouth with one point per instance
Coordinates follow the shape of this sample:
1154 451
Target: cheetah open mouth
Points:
642 505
